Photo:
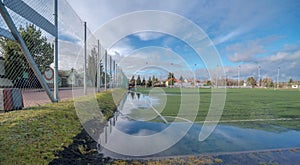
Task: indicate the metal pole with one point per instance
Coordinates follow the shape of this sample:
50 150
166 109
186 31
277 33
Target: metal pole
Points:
110 72
117 84
278 77
25 50
258 76
239 76
217 76
85 70
114 70
98 67
56 95
105 72
195 75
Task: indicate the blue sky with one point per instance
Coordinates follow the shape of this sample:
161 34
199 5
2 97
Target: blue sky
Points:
245 33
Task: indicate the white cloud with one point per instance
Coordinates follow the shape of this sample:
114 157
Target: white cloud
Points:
244 52
248 51
161 60
277 57
222 39
287 61
145 36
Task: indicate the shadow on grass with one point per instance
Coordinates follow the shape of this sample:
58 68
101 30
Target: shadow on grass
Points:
83 150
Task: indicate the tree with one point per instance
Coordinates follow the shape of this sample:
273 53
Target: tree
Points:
251 81
143 82
208 83
149 83
132 81
16 64
92 67
241 83
103 74
181 79
153 79
171 76
138 80
290 83
267 82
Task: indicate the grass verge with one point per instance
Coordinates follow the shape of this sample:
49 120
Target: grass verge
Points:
35 135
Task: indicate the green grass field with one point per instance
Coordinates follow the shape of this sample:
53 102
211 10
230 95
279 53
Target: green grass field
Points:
243 105
35 135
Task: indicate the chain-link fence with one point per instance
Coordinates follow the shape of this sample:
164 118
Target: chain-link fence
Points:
83 65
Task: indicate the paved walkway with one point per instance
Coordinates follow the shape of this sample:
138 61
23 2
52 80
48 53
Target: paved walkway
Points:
33 97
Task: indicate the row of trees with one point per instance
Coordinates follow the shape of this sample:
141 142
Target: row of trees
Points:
251 81
150 82
143 82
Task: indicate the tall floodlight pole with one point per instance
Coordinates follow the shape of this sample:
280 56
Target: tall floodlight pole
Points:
239 76
105 72
217 75
84 69
278 77
258 76
98 67
56 97
172 79
195 76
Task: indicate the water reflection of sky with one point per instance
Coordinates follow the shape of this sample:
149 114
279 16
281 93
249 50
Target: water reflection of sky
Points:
225 138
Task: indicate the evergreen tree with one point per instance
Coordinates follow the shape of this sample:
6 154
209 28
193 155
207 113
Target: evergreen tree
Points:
143 82
132 81
181 79
153 79
138 80
149 83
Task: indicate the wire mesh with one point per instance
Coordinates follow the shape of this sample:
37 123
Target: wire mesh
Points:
15 72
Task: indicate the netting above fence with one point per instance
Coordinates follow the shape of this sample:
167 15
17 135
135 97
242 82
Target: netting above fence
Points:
35 22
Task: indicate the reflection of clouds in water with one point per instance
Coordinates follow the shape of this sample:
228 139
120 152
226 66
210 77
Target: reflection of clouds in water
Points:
225 138
228 136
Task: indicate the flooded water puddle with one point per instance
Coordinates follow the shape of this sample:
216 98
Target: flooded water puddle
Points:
131 133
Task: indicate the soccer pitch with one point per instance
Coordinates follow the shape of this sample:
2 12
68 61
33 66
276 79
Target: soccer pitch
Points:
242 106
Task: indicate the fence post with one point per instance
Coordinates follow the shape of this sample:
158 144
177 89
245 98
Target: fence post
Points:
110 72
105 72
114 73
84 69
98 67
56 96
